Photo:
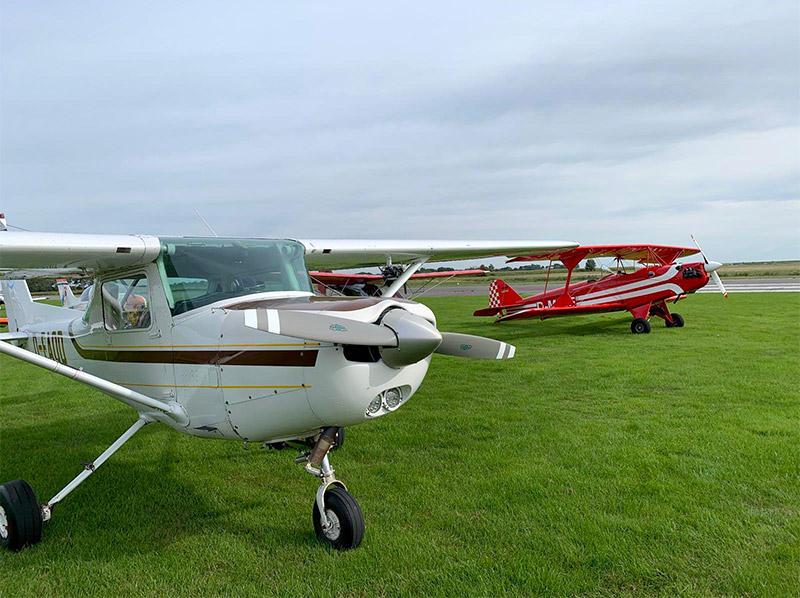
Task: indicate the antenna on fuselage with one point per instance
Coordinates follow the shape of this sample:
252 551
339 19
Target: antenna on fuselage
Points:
213 232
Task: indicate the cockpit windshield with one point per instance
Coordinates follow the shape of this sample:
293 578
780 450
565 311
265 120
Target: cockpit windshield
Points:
200 271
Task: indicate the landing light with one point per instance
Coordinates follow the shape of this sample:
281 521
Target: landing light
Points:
392 398
375 405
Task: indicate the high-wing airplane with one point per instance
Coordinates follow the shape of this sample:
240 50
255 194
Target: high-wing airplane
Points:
223 338
644 292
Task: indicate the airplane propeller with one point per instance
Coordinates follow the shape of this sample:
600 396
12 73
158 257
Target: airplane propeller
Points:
711 268
401 337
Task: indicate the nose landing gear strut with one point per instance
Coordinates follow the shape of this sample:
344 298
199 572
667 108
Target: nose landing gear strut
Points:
337 517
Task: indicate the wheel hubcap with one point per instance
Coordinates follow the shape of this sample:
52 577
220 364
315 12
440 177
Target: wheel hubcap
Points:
3 524
334 526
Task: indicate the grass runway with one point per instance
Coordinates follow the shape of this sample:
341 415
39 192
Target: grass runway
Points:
596 463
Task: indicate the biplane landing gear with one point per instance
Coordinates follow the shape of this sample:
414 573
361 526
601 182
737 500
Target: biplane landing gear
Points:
640 326
20 516
337 517
677 321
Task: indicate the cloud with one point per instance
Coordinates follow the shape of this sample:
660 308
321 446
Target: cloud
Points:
602 123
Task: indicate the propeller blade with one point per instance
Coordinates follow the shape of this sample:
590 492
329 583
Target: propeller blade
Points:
711 268
720 286
476 347
319 327
705 259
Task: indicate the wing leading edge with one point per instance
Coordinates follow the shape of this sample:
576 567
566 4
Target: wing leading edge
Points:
358 253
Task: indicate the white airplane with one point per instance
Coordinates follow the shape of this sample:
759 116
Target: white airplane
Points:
223 338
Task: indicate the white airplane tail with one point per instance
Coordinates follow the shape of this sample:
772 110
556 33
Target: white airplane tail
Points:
22 310
68 299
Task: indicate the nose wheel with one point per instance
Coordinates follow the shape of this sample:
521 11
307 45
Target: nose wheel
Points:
345 527
338 520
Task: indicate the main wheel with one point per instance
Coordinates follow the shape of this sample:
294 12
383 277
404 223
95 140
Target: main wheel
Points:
20 516
346 521
640 326
677 321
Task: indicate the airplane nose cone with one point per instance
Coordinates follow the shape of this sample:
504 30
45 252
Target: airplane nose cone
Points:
416 338
712 266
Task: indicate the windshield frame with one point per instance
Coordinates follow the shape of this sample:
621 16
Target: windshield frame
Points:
235 267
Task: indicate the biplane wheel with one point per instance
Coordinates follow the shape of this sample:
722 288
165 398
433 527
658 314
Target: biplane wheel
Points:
346 520
20 516
640 326
677 321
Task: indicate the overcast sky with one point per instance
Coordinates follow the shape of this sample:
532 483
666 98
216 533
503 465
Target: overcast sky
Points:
600 122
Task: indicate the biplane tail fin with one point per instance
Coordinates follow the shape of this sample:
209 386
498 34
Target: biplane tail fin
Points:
68 299
501 294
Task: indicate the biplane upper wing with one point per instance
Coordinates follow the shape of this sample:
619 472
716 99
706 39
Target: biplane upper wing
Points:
358 253
643 252
53 253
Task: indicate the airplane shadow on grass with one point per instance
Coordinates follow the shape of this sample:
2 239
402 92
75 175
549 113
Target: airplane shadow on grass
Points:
143 498
513 331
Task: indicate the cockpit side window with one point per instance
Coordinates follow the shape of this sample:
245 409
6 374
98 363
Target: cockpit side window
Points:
126 303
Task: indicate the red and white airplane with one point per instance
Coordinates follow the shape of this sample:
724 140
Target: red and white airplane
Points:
643 292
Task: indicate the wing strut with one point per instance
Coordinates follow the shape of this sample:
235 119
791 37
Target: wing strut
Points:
404 277
136 399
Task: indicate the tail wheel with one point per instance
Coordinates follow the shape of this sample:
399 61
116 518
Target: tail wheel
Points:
346 522
640 326
20 516
677 321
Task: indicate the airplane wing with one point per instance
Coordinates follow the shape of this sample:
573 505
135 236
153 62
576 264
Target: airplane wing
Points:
54 253
339 278
643 252
358 253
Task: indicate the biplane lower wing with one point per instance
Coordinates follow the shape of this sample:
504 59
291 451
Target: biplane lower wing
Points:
555 312
337 278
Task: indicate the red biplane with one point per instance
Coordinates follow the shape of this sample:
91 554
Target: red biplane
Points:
644 292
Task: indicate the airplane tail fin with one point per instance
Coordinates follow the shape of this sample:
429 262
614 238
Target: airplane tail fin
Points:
501 294
21 309
68 299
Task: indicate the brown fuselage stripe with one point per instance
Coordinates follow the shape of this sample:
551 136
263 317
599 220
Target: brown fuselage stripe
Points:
305 358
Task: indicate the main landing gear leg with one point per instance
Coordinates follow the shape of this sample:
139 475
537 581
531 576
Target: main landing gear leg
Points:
337 517
672 320
21 517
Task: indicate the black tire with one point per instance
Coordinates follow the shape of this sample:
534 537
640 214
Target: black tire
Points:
20 515
677 321
343 509
640 326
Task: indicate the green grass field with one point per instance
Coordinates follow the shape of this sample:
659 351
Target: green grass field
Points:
596 463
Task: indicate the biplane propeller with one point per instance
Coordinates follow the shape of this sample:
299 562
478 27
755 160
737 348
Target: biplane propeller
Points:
655 280
223 338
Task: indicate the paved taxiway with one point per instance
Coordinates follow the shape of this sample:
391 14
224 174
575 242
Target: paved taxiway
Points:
732 285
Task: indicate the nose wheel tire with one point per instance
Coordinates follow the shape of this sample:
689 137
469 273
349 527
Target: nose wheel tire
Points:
345 520
677 321
640 326
20 516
